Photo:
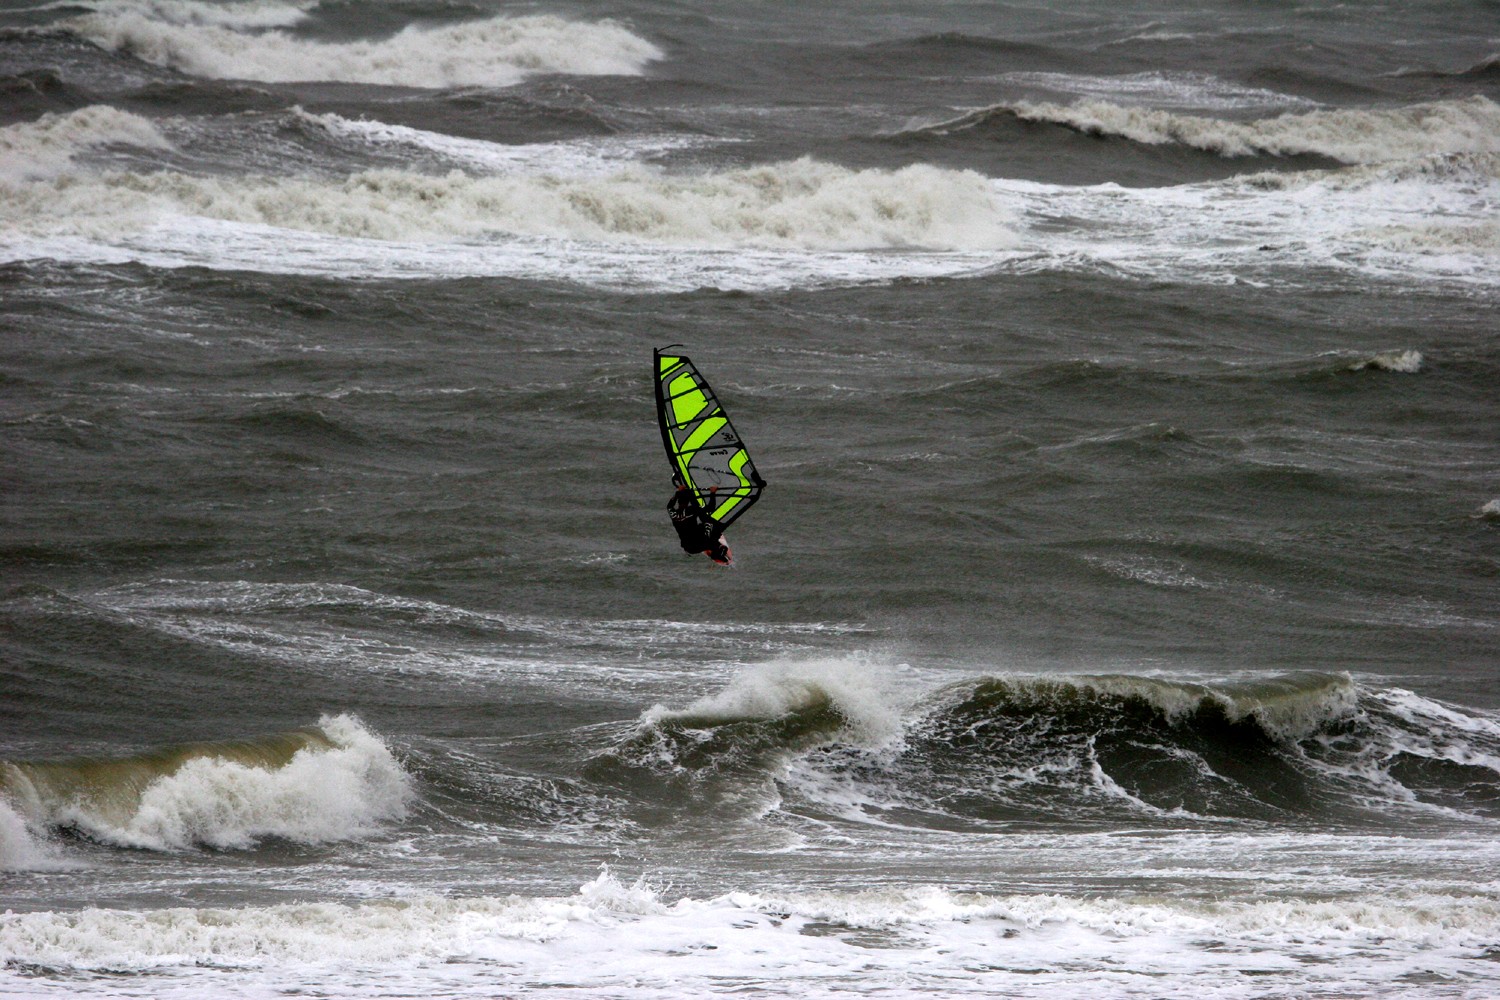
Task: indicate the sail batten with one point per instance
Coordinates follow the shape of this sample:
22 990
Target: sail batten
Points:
703 448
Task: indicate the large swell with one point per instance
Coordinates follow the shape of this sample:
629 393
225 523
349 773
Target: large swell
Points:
997 752
816 742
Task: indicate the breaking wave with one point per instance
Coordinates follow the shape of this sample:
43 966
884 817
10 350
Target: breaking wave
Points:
331 783
248 42
802 204
43 147
1071 749
858 698
1470 125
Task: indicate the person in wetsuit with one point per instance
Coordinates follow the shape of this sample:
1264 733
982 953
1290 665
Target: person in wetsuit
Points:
695 530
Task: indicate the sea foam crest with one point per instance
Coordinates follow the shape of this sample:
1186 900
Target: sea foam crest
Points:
804 204
862 696
495 52
338 788
1437 238
1288 707
1402 362
233 14
1470 125
43 147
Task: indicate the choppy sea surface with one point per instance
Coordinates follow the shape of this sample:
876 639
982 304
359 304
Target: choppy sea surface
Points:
1121 619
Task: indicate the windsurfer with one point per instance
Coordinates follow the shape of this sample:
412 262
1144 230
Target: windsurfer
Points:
695 529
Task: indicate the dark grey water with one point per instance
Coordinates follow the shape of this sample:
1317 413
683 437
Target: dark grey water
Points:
1121 614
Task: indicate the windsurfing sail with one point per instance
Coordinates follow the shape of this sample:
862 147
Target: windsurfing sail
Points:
705 452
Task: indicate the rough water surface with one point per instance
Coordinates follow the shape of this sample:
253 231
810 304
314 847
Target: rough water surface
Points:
1120 618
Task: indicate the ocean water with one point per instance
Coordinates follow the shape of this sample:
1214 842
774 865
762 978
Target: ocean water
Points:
1121 619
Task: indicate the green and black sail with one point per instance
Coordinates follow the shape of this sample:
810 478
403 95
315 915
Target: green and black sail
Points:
705 452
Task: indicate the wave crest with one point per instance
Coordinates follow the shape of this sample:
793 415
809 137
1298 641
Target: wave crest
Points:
43 147
1284 709
1356 136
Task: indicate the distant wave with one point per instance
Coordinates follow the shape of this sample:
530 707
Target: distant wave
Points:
802 204
1487 69
1161 89
1470 125
244 15
247 42
1286 708
573 157
335 782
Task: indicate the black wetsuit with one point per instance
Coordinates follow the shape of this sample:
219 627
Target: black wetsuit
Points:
697 532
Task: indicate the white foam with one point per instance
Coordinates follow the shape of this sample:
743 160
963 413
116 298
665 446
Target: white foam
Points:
571 158
44 147
617 939
1491 509
1423 712
1271 227
320 795
21 848
1437 238
1468 125
1154 571
1161 89
203 40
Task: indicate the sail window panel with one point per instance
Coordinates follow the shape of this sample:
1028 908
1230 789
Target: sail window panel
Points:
705 451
